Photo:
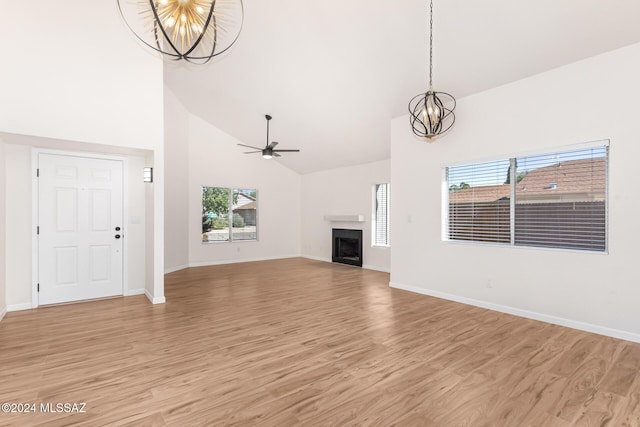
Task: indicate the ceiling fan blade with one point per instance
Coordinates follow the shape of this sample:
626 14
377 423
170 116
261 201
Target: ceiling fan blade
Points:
273 144
286 151
250 146
276 155
249 152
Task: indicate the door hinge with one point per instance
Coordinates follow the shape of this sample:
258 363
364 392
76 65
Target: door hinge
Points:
38 229
38 287
38 172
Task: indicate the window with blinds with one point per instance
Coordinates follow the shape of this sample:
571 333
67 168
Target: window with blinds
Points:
561 200
479 202
555 200
381 199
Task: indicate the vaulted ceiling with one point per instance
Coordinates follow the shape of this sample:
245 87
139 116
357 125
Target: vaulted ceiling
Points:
334 73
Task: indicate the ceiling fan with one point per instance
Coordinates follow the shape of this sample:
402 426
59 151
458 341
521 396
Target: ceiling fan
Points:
269 150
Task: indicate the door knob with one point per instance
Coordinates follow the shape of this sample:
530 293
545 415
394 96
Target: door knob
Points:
117 228
117 236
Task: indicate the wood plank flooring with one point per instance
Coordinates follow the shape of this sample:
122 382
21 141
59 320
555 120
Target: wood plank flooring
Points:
303 343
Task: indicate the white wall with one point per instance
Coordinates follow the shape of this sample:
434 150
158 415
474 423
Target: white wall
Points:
176 216
18 222
91 83
215 160
590 100
78 74
343 191
3 289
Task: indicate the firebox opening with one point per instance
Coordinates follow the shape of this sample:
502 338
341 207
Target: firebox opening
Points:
347 246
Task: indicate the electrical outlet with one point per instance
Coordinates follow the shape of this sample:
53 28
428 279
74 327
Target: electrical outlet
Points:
489 284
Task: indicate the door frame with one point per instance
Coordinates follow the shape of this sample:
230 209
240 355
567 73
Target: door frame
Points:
35 202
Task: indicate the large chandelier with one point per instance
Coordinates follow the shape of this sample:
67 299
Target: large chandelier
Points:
193 30
431 113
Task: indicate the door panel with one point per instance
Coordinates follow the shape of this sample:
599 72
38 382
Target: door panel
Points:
66 201
99 263
99 209
79 207
66 266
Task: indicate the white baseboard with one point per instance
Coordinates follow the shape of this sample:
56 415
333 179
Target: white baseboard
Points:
173 269
3 311
237 261
366 266
574 324
131 292
154 300
376 268
20 307
316 258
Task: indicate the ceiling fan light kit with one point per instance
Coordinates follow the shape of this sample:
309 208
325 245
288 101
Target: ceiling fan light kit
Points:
190 30
269 150
431 113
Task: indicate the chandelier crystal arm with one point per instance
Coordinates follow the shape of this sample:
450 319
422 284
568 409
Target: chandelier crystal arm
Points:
190 30
210 16
156 25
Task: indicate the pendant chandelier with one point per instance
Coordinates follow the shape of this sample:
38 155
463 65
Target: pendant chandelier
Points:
431 113
192 30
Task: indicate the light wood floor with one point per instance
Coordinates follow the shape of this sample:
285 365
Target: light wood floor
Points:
300 342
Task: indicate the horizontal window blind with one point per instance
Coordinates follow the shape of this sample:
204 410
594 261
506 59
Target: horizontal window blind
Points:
381 215
479 203
561 200
555 200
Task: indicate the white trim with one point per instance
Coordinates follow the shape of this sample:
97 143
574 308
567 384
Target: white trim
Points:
125 227
34 223
3 312
574 324
365 266
376 268
444 208
237 261
132 292
20 307
374 216
154 300
316 258
35 200
174 269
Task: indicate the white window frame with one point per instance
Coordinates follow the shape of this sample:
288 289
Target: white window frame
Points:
575 147
230 215
374 216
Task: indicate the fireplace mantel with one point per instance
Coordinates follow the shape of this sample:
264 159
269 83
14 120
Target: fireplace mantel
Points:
344 218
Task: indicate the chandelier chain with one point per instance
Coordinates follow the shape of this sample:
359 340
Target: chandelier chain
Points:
431 113
431 46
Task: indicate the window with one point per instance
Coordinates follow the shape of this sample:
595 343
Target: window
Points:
479 205
229 214
381 198
556 200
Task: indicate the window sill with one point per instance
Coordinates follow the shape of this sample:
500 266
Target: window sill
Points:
518 247
217 242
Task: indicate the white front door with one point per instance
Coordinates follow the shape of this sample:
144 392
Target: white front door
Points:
80 228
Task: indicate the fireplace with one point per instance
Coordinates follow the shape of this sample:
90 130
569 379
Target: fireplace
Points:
347 246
